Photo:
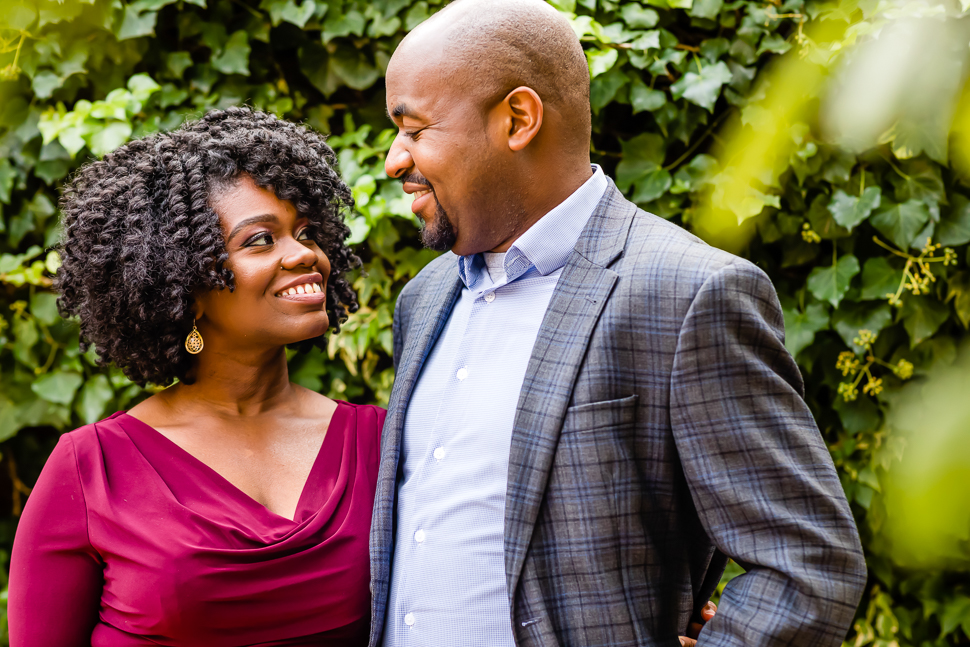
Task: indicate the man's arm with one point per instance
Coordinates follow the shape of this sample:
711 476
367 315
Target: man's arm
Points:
760 475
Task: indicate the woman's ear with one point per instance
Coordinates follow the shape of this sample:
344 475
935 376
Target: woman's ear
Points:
525 116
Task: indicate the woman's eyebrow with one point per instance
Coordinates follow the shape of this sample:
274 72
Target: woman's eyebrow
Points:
245 222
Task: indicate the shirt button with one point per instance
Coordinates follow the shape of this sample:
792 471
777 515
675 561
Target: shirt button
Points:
489 297
409 619
462 374
439 453
419 536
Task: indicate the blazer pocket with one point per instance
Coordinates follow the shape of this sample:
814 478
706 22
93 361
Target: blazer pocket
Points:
621 412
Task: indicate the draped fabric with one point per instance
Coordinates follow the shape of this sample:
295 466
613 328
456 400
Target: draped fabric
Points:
128 539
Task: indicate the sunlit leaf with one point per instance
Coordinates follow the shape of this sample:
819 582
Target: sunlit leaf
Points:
849 210
705 87
136 24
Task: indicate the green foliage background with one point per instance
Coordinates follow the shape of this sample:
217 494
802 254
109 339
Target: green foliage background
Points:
80 77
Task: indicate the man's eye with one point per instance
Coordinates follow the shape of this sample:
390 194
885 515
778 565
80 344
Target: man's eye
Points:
412 134
260 240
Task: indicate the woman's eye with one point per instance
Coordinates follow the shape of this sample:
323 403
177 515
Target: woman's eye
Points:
260 240
305 234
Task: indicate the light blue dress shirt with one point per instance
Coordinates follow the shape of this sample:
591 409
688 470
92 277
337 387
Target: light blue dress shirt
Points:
448 574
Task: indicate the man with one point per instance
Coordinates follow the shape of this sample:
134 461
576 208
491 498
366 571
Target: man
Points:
592 406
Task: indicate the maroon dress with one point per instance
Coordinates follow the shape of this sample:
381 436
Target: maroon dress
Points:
127 539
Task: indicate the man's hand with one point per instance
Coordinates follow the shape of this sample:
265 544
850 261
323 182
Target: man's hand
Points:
694 630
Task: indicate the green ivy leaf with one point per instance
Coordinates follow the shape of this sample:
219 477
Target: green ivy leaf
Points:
643 98
800 327
706 8
955 612
350 22
922 316
7 176
352 65
289 11
43 305
954 228
879 278
601 60
958 291
831 283
850 211
234 58
703 89
95 396
641 155
603 88
109 138
58 386
177 63
653 185
901 222
638 17
135 24
44 83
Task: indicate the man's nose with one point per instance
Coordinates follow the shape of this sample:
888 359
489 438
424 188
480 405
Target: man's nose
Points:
398 159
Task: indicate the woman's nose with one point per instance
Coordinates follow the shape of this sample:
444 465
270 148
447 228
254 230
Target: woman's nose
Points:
297 254
398 159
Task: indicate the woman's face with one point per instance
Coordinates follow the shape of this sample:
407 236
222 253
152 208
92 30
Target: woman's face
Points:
280 274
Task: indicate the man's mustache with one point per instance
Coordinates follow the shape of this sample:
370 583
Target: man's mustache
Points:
416 178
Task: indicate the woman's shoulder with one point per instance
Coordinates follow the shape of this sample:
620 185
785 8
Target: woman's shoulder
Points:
93 436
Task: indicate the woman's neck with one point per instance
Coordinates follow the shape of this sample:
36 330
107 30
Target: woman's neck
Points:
232 384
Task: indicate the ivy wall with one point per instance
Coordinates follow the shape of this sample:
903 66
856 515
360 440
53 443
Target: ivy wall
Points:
868 303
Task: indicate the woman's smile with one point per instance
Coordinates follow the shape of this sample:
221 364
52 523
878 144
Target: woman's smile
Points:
308 288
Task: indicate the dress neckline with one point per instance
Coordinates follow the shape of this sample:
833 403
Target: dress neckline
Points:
323 471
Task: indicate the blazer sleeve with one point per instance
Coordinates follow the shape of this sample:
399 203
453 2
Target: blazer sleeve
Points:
56 576
760 475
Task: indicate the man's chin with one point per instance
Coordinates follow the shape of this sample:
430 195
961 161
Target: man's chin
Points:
438 234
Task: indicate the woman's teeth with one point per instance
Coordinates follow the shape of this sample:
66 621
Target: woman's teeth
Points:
306 288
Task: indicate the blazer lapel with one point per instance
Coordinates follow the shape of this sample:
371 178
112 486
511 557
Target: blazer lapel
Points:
430 314
575 307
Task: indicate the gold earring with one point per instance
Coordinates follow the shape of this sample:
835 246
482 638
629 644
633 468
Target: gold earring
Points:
194 343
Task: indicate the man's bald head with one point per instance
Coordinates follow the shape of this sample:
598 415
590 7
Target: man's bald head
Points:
487 48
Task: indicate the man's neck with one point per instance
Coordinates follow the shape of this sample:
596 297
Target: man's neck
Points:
560 189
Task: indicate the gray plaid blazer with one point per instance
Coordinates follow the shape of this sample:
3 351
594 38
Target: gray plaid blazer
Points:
660 419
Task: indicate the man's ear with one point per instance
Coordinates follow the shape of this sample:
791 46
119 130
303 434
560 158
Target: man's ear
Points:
525 116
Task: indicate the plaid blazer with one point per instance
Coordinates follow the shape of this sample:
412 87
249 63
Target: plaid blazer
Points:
660 419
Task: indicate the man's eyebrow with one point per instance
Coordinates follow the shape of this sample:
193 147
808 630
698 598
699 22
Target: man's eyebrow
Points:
265 217
402 110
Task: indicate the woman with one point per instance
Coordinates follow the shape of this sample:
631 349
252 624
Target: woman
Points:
232 508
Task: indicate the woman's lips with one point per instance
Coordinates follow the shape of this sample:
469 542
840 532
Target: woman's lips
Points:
316 297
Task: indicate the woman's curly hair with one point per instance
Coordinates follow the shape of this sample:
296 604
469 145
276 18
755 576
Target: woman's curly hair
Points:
140 236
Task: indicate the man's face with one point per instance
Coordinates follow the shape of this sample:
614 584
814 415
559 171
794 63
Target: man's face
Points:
444 154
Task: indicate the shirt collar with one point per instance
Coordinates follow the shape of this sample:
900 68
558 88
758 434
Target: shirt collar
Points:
548 243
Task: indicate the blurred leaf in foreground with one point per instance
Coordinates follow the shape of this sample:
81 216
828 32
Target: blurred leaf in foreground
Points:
928 491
